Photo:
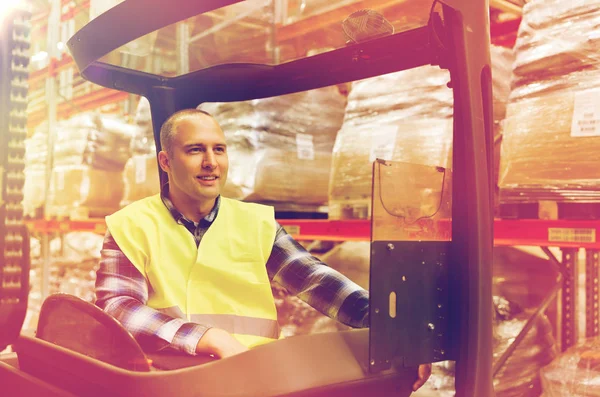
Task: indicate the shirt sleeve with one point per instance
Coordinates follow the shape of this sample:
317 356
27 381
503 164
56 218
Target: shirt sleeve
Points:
122 292
317 284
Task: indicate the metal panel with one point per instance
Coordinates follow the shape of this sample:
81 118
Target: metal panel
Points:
417 273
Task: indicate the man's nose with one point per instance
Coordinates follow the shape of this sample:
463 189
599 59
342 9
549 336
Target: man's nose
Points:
209 160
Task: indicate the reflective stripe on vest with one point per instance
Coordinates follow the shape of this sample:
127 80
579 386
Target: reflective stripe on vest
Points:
233 324
223 283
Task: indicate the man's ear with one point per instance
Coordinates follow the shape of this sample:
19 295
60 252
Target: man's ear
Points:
163 161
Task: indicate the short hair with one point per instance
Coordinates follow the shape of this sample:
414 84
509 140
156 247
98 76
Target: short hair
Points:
169 128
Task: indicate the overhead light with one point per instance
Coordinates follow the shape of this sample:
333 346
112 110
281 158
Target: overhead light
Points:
7 5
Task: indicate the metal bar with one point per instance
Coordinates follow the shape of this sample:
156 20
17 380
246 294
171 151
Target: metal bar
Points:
506 6
505 33
90 101
528 325
312 245
556 233
45 270
183 48
228 22
592 316
569 299
360 230
86 48
66 61
401 51
554 261
51 93
51 100
273 45
329 16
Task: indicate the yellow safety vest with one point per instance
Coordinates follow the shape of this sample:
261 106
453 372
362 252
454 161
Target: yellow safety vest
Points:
223 283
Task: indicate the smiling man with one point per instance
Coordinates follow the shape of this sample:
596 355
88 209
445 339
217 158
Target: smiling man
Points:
190 270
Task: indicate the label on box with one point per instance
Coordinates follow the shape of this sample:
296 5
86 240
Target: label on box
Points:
139 166
571 235
586 114
293 230
305 147
383 143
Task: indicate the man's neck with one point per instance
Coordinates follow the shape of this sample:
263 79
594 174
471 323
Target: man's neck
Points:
192 210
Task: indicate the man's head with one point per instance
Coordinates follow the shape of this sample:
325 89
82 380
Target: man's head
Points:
194 155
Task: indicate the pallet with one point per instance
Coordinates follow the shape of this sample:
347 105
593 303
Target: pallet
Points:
532 202
350 209
549 210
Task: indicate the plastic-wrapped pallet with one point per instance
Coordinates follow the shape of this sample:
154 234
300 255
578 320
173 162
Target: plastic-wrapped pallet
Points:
404 117
90 139
36 155
90 153
552 127
389 117
74 259
83 191
575 373
141 170
280 148
142 141
110 149
140 177
519 376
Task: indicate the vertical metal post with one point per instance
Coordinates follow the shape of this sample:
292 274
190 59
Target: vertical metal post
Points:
183 48
45 270
592 317
471 303
51 101
569 298
279 9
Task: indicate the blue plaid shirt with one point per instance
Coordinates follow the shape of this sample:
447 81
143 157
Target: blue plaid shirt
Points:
122 291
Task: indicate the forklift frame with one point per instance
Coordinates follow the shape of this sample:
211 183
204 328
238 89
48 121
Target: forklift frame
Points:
456 39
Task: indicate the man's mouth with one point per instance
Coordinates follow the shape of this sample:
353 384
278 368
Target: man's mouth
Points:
208 178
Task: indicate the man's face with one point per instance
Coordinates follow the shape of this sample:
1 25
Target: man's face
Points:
198 163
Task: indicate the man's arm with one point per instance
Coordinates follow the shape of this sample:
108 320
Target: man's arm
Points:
122 292
322 287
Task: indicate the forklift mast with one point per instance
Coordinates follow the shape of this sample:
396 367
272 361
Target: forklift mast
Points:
455 38
14 241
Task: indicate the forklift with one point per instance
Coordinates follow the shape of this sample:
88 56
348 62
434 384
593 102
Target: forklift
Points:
430 297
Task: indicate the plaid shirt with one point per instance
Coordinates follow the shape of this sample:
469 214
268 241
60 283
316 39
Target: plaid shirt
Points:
122 291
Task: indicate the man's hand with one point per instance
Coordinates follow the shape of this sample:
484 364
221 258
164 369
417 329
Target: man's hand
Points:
424 373
219 343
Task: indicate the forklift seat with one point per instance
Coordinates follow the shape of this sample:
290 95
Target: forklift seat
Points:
84 351
80 326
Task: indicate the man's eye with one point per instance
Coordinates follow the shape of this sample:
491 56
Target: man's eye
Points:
194 150
220 149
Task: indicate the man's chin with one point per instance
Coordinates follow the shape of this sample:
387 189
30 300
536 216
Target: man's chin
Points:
208 194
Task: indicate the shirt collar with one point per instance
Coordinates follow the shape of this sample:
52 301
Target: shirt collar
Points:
178 216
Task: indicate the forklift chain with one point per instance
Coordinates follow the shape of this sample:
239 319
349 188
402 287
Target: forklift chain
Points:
14 241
